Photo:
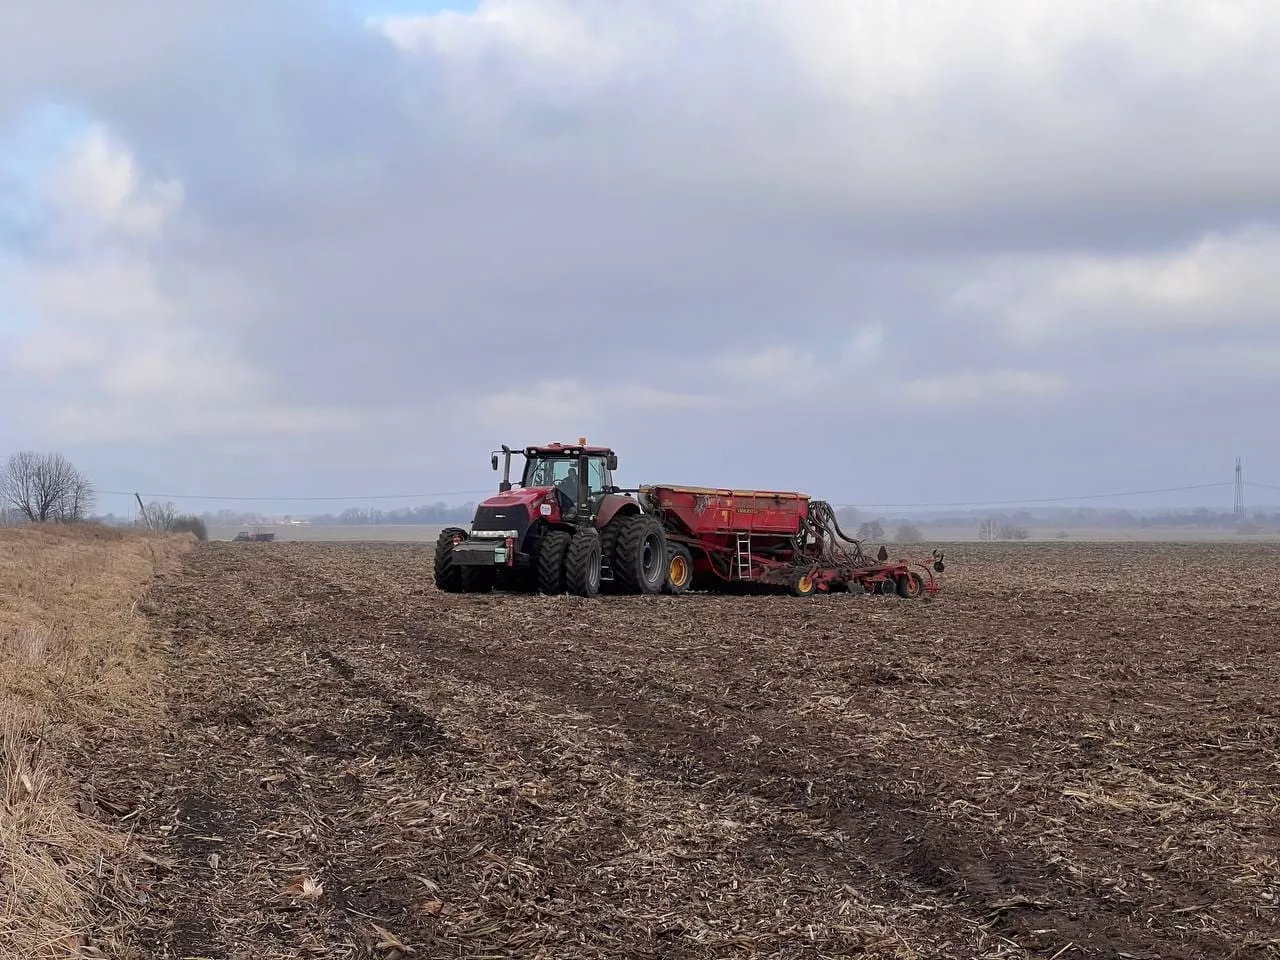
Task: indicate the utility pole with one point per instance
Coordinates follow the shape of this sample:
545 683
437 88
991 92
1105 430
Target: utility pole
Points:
1239 510
145 518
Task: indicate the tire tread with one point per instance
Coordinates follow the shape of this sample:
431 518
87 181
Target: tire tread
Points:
448 575
551 556
577 564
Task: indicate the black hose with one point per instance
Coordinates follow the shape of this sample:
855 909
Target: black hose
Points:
824 518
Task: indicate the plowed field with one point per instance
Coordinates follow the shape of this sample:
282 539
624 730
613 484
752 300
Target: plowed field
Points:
1072 752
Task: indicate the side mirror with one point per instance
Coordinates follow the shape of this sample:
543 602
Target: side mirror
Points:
612 462
494 460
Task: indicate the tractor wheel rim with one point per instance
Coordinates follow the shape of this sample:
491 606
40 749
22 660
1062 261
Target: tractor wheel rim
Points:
679 570
805 584
648 559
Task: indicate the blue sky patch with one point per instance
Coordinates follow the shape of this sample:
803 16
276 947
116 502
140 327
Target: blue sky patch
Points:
30 147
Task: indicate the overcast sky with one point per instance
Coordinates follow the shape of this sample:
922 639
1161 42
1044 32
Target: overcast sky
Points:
883 252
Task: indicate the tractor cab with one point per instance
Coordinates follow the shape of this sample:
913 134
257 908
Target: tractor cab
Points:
564 526
561 467
581 476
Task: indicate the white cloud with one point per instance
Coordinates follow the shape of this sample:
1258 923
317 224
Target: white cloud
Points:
99 192
1220 282
964 389
881 105
567 407
624 217
121 422
128 357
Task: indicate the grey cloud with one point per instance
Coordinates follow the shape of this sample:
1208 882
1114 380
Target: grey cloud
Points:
590 217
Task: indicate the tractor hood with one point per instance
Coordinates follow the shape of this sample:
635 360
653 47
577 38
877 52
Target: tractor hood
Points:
527 497
511 513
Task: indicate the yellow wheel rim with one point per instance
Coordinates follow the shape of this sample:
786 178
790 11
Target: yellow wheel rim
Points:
679 570
805 585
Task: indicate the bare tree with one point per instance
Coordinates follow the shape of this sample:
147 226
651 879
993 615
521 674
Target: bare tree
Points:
45 487
165 516
78 501
160 516
908 533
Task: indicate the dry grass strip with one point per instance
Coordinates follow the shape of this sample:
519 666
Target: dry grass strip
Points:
75 656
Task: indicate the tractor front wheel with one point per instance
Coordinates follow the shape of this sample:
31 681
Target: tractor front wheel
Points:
555 543
640 555
679 569
582 563
448 574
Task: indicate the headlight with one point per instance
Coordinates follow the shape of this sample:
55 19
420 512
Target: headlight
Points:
545 509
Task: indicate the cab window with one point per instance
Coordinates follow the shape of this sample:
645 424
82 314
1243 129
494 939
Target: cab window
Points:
597 475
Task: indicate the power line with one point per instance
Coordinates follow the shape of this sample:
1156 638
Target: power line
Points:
1087 496
380 496
461 493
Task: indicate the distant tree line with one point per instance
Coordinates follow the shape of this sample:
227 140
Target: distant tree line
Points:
1017 524
434 513
165 516
993 529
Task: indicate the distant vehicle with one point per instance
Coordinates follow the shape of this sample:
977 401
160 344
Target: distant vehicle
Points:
245 537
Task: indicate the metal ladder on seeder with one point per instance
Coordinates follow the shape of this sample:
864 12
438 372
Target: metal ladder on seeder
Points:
744 556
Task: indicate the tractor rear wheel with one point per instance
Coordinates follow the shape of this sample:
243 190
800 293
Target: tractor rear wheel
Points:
910 586
448 574
479 579
640 556
555 543
679 569
582 563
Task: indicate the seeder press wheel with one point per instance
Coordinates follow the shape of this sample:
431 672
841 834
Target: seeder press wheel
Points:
803 585
910 586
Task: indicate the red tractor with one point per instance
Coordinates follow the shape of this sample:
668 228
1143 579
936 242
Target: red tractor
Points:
566 527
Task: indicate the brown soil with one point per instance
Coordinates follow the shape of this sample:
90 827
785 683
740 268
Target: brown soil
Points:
1070 753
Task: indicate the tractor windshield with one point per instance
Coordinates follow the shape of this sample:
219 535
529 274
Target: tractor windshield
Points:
563 472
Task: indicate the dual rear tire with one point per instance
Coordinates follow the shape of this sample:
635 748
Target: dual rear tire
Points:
570 562
635 546
640 557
